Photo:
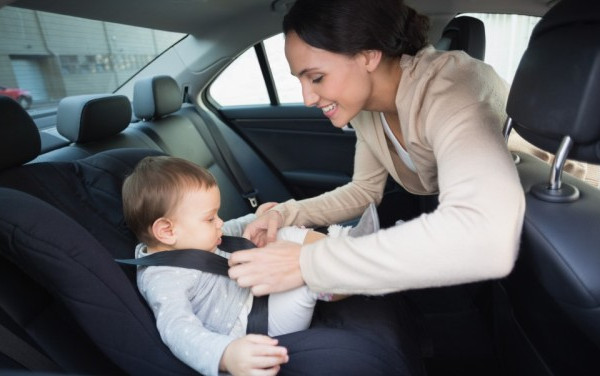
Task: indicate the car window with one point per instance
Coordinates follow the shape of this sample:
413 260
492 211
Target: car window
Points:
507 36
45 57
242 82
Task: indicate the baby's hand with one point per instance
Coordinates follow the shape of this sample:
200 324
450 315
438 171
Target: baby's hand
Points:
253 354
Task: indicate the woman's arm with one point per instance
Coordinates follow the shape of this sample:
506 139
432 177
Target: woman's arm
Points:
343 203
472 235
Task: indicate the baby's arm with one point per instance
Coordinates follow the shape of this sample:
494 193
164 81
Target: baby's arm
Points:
166 290
253 352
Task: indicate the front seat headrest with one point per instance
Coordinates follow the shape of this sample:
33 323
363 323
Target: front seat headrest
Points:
464 33
85 118
155 97
20 139
557 84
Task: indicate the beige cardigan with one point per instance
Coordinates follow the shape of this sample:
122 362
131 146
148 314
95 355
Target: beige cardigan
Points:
451 110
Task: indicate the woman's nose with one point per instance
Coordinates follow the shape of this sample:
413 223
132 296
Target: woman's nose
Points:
310 97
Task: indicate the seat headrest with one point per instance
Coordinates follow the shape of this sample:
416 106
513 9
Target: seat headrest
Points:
19 137
85 118
464 33
155 97
557 84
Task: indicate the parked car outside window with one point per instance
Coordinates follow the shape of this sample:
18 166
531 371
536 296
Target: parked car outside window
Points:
20 95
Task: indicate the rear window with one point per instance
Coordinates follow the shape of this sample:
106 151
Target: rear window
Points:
45 57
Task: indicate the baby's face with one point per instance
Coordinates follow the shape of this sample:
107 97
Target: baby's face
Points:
195 220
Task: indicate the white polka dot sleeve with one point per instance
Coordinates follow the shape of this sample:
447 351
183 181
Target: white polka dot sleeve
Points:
167 290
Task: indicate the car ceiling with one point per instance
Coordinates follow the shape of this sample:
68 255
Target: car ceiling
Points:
199 16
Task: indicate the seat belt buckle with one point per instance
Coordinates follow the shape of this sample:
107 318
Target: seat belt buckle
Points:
251 197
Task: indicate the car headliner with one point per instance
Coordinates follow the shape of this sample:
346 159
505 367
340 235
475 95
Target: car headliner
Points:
223 29
199 16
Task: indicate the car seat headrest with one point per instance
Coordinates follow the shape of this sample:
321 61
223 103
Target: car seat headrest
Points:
20 141
85 118
557 84
155 97
464 33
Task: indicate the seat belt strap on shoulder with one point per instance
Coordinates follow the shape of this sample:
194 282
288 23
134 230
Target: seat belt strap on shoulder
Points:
183 258
226 156
258 318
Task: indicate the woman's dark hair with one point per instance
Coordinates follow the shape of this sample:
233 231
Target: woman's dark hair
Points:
351 26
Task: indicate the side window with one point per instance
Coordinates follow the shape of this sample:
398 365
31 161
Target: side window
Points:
288 87
242 82
507 36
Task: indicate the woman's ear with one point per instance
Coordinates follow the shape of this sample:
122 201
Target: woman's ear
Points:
164 231
372 59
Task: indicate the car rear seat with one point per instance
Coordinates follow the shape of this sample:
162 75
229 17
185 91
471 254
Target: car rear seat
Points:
93 123
158 103
61 226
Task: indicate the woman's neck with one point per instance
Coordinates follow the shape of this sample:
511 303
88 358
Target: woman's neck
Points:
386 79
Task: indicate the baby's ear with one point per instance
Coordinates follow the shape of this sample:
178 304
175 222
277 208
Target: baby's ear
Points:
164 231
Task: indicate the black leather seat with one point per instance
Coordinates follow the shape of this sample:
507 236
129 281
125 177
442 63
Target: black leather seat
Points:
552 299
464 33
93 123
61 226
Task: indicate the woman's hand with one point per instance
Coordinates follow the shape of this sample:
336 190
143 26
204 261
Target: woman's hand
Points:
263 229
274 268
264 207
253 355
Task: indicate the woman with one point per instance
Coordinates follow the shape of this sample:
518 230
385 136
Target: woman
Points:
430 119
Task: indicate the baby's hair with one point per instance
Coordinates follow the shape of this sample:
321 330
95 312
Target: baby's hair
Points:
351 26
153 189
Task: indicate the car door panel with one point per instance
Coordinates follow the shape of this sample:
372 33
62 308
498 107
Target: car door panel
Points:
300 143
313 156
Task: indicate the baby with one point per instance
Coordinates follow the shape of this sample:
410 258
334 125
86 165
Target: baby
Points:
170 203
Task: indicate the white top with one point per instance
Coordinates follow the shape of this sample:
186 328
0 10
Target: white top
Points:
402 153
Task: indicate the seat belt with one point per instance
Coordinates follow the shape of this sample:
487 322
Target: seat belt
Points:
258 318
218 145
23 353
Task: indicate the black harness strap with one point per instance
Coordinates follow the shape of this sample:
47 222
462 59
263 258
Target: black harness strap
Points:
209 262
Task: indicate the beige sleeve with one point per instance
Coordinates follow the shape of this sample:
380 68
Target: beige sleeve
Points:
472 235
345 202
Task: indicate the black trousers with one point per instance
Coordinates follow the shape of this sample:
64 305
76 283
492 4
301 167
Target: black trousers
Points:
358 335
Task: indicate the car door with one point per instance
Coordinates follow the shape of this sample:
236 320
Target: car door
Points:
259 98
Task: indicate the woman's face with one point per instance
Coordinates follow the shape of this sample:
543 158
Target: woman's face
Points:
337 84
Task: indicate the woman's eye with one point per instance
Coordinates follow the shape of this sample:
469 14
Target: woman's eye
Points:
317 80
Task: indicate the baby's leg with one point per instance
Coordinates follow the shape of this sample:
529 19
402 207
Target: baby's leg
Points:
291 311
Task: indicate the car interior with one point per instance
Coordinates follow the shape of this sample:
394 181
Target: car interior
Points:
67 307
